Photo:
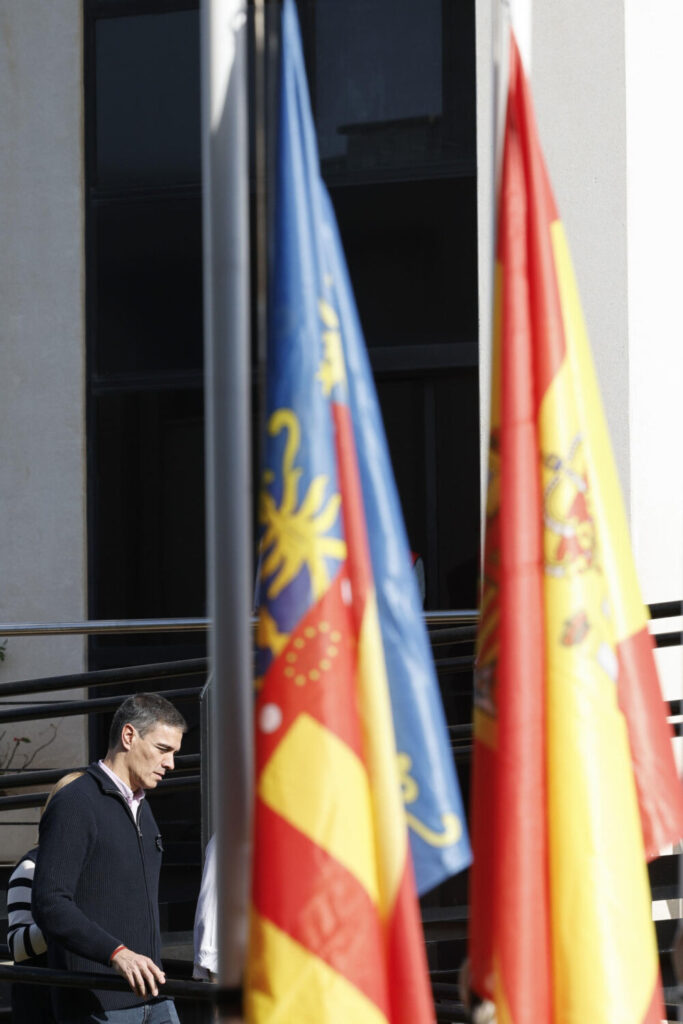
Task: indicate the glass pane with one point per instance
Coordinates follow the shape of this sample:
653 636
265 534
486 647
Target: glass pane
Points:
457 504
412 254
432 429
402 407
147 96
149 505
149 287
384 76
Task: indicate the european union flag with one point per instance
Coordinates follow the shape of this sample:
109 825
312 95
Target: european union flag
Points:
317 356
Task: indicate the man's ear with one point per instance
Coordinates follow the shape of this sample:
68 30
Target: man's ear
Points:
127 734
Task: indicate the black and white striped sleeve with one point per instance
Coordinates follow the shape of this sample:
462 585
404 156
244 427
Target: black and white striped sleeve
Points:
24 937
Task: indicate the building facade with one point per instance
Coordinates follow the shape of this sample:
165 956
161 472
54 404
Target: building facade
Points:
101 423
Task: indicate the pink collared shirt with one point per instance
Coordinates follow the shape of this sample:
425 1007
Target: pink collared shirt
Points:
132 799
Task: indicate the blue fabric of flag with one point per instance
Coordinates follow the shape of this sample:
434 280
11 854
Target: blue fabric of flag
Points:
308 266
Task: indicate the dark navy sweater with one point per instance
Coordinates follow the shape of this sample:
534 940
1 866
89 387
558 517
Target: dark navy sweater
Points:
96 886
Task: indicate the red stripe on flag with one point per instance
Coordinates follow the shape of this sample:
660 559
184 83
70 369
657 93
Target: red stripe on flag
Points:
412 1001
536 287
521 891
323 643
481 879
355 530
510 841
660 794
315 900
656 1013
411 996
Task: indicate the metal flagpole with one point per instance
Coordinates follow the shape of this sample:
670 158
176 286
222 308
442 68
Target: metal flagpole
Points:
228 459
502 17
490 158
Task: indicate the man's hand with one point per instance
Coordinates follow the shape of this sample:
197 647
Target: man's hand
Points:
141 973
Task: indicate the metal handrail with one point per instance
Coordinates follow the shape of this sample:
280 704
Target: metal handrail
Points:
175 988
673 639
448 1006
230 999
25 800
453 634
92 627
106 677
666 609
47 776
66 708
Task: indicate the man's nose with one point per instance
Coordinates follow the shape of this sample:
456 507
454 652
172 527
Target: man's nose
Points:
168 763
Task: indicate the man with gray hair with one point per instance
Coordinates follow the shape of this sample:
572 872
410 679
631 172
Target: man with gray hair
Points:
95 891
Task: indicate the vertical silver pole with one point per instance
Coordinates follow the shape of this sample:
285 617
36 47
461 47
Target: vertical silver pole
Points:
261 213
228 458
500 24
493 23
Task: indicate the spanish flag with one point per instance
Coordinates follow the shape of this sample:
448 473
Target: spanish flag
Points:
352 751
574 783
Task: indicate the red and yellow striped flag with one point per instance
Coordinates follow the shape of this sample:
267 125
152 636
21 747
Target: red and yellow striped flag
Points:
336 936
574 780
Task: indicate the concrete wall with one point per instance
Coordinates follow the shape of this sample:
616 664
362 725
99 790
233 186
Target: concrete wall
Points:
578 85
42 425
606 83
655 268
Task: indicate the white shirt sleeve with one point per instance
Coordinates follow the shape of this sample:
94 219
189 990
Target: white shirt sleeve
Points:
205 921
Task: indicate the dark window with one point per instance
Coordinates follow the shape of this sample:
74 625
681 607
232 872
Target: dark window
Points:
150 508
144 314
433 429
394 102
393 90
147 99
413 282
148 278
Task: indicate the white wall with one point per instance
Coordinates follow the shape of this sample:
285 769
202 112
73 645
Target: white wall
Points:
655 272
655 276
42 436
578 88
606 88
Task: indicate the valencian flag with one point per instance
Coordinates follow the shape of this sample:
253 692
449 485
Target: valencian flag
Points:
574 779
349 726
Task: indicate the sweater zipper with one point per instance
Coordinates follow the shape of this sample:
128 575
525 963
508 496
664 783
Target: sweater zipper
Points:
144 865
144 873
